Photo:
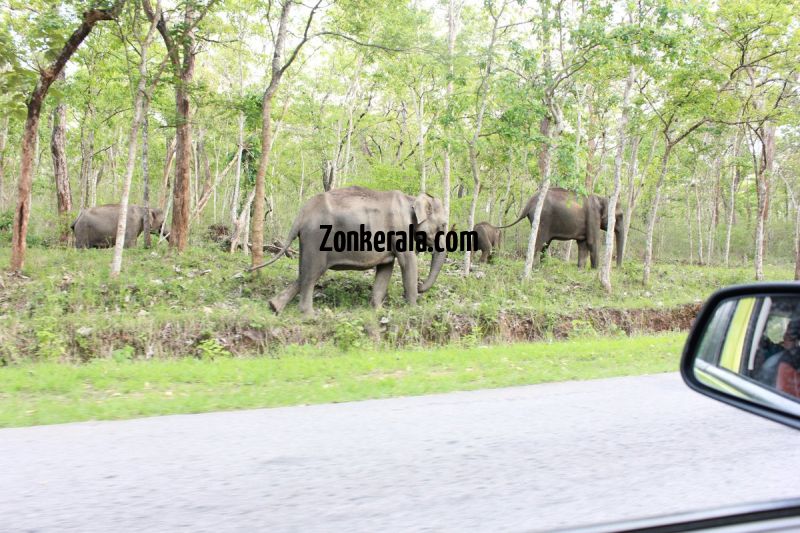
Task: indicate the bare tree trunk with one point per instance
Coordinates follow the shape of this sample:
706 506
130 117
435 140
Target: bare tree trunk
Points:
453 14
732 200
3 140
605 263
699 206
87 152
146 172
165 181
423 168
29 136
483 93
139 100
278 69
763 169
690 229
651 219
58 147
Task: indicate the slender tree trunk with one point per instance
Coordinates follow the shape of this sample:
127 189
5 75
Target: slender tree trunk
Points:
3 140
146 172
257 221
698 205
732 198
453 13
58 148
690 229
30 131
238 179
605 263
423 170
139 102
651 219
87 152
165 181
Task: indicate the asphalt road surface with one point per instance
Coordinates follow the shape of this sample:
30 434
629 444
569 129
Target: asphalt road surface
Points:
517 459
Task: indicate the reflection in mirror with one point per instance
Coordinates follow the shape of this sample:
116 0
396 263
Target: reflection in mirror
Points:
751 349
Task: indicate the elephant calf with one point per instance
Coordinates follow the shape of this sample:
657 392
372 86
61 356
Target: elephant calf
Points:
96 227
488 240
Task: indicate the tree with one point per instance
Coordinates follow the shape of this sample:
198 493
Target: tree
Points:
182 52
34 106
279 67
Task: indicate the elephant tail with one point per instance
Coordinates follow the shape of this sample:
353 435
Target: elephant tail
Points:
521 216
72 226
293 233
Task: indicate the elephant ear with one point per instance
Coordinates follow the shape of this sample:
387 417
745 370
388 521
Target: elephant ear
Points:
422 208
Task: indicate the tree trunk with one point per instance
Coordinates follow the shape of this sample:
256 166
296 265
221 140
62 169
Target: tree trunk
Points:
605 263
3 139
453 13
58 148
146 172
165 181
651 219
732 199
87 153
181 191
29 136
139 100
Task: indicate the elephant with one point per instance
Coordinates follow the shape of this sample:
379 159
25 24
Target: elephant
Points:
567 215
488 240
358 209
96 227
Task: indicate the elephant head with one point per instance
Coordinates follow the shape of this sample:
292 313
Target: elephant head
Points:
430 217
156 220
619 226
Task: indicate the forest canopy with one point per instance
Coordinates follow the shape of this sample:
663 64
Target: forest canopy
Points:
234 112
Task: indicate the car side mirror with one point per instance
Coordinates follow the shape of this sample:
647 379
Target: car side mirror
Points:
744 350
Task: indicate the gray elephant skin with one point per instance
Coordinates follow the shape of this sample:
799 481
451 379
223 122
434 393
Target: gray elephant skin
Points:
96 227
346 210
567 215
488 240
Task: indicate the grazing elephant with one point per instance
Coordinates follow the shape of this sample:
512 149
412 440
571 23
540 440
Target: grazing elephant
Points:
488 239
350 210
566 215
96 227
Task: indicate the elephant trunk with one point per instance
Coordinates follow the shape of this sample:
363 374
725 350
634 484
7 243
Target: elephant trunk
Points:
436 265
619 234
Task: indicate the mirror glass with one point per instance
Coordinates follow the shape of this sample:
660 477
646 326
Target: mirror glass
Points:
751 349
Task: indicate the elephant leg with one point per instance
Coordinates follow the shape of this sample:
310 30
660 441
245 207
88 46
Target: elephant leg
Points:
541 245
593 255
583 253
309 278
383 274
279 302
485 255
408 265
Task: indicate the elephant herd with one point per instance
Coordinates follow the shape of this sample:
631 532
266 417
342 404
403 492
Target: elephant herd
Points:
566 215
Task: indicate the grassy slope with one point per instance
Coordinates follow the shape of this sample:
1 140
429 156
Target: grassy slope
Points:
46 393
166 306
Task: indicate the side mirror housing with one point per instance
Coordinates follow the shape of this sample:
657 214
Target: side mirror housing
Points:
744 350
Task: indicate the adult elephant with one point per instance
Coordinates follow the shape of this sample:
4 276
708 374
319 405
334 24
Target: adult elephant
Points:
488 240
359 210
96 227
567 215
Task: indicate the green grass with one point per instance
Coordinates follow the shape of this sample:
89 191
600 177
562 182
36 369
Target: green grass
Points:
49 393
167 305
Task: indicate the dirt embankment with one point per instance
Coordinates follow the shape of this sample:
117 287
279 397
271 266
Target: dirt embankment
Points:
238 336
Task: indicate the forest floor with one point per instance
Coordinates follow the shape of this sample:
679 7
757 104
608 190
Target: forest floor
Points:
181 333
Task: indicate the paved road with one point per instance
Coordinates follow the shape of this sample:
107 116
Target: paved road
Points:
525 458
